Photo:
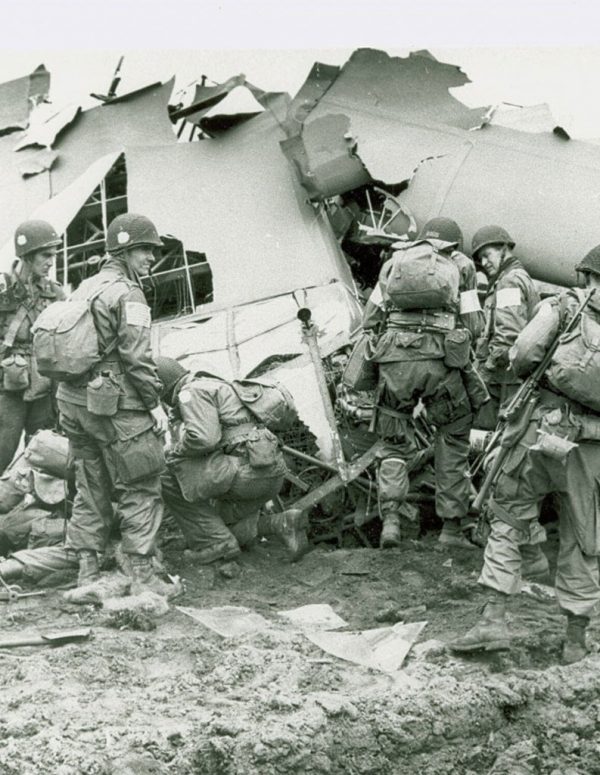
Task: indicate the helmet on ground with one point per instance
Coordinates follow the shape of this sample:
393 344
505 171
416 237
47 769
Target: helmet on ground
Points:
128 230
35 235
490 235
169 373
443 229
590 262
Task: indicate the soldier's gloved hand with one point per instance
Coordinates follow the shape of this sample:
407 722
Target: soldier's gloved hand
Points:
161 421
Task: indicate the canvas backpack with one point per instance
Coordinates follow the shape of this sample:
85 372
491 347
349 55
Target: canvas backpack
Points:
422 278
65 340
269 401
575 366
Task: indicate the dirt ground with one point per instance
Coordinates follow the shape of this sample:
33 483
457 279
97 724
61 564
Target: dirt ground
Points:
181 699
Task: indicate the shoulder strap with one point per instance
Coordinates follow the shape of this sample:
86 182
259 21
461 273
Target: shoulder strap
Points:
15 324
112 345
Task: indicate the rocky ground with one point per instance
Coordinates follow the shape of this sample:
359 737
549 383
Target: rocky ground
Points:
182 699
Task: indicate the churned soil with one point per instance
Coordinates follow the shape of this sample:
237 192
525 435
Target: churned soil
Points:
181 699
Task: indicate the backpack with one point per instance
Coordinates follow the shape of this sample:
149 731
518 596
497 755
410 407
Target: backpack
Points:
269 401
422 278
575 366
65 340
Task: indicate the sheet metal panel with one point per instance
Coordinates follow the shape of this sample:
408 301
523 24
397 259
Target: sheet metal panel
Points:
235 199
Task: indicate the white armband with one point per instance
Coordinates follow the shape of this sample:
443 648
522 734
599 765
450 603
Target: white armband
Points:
508 297
469 302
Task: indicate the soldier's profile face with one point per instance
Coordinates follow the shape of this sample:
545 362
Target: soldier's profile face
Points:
490 257
140 258
42 262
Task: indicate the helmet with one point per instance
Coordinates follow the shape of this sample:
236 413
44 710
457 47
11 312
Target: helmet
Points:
490 235
129 230
35 235
443 229
169 372
591 261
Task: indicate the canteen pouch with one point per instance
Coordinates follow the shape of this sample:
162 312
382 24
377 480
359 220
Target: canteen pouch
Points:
39 386
102 395
262 448
457 346
15 373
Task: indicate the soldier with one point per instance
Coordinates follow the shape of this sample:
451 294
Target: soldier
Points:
447 230
115 440
509 305
556 450
26 401
423 352
225 466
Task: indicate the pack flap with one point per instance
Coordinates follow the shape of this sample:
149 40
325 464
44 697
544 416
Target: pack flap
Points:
61 316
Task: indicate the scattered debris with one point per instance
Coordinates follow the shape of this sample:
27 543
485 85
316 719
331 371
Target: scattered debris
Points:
317 616
382 649
228 621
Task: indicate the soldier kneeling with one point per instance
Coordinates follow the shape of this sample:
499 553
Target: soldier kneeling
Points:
226 463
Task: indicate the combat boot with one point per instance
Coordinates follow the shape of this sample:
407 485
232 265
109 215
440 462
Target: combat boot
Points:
144 578
89 568
290 526
391 535
491 631
535 563
453 535
574 647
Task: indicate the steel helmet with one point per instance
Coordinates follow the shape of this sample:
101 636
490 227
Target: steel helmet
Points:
591 261
128 230
490 235
169 372
443 229
35 235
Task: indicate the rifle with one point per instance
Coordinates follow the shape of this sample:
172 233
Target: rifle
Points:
521 407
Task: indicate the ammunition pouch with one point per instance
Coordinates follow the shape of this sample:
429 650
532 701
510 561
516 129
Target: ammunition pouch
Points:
15 372
589 427
263 449
260 444
457 348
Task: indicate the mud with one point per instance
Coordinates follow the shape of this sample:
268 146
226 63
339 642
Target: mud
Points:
181 699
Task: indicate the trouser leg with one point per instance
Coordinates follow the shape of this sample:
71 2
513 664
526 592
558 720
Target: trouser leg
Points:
13 412
92 517
502 561
577 576
36 563
452 482
139 510
200 521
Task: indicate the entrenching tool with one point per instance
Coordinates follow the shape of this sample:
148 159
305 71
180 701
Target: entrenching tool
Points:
12 592
57 638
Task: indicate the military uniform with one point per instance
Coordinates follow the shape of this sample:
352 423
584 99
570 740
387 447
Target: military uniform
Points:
554 449
528 474
509 305
215 483
30 408
411 353
117 458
